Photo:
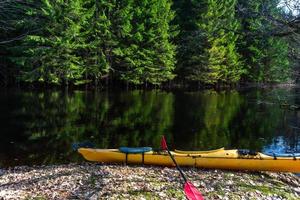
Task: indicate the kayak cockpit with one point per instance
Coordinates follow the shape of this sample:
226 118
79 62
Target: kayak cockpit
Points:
199 152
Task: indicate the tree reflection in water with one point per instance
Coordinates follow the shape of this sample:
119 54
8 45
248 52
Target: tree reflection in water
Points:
40 127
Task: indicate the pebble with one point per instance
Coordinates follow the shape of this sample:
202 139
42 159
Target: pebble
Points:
97 181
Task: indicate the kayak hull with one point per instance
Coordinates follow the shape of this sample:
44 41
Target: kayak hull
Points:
216 159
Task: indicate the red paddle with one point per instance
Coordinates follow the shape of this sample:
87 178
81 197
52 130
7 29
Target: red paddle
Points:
190 190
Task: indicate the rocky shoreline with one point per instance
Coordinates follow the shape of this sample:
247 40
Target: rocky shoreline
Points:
97 181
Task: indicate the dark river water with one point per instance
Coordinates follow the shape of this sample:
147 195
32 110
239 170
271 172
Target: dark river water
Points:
39 127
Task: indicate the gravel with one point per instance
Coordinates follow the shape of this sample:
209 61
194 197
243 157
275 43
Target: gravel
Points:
97 181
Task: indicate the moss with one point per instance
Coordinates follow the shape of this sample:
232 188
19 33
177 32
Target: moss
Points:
234 196
142 193
269 190
92 180
155 182
175 193
213 195
36 198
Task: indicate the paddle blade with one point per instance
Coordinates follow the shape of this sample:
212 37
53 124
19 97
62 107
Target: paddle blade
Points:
191 192
163 143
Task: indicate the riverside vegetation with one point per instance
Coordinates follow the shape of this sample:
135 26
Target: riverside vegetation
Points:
207 42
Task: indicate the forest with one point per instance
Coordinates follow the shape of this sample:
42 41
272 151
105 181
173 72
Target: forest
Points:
149 42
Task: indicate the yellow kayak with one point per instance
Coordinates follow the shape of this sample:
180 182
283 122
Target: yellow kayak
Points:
215 159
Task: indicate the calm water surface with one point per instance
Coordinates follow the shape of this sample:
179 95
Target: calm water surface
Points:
39 127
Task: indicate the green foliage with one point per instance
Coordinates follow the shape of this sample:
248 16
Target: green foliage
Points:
211 43
81 41
144 53
269 61
219 23
139 42
52 53
190 41
222 41
266 56
98 39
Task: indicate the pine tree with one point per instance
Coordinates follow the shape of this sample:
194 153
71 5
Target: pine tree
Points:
15 24
51 54
99 41
190 41
144 53
207 41
220 24
266 56
81 41
279 69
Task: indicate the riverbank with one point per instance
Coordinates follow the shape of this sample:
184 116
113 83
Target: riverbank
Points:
92 181
168 86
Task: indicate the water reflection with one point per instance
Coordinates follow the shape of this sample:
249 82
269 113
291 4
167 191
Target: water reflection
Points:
39 127
204 118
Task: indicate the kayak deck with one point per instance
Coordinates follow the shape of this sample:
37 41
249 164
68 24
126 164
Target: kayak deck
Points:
216 159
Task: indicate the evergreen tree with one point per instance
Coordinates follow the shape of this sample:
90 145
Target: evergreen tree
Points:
144 53
63 41
265 56
99 39
190 41
15 24
52 54
220 24
207 41
80 41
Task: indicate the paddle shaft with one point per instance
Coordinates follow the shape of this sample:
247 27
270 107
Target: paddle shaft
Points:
174 161
190 190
